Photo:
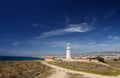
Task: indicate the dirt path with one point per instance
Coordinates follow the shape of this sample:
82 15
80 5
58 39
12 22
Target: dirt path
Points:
62 73
59 74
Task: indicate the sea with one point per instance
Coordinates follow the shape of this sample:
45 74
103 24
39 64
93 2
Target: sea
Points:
18 58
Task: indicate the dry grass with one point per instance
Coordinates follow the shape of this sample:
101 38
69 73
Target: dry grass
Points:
89 67
73 75
23 69
114 63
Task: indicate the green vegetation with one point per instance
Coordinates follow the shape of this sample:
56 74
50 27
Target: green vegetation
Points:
89 67
73 75
23 69
100 59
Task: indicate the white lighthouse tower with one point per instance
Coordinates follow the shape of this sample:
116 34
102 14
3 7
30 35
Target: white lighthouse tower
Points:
68 55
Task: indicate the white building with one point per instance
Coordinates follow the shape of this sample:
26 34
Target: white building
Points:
68 55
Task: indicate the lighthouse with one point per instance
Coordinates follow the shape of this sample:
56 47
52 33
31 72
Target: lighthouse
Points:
68 55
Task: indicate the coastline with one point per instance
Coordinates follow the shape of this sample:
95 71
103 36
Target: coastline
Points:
19 58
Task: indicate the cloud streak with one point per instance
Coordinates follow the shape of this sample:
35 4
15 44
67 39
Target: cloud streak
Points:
111 13
67 20
114 37
71 28
16 44
80 47
91 47
35 25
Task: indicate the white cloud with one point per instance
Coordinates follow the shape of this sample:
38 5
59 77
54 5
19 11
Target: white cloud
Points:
109 14
57 44
106 28
110 37
51 33
86 47
93 21
35 25
79 46
77 28
83 47
114 37
67 19
71 28
16 43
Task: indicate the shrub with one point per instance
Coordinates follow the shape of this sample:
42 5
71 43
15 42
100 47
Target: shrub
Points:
115 59
100 59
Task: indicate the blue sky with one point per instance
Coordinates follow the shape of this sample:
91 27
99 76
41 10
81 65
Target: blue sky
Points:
41 27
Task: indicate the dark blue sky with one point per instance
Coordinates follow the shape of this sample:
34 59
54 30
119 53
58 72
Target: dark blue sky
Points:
36 27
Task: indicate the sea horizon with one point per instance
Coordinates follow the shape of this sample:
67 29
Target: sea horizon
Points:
19 58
